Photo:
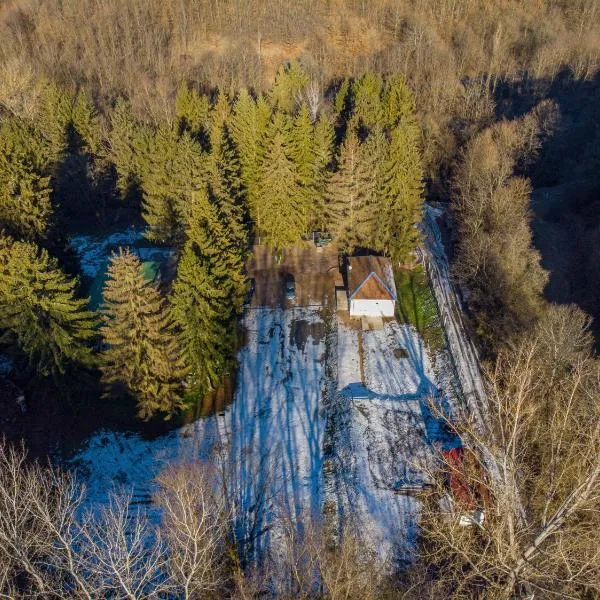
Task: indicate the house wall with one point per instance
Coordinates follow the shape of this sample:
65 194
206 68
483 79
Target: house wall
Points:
372 308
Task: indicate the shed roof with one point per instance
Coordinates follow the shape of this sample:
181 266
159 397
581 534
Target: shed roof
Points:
371 278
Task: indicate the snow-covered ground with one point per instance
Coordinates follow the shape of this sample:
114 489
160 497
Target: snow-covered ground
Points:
464 354
272 439
387 434
93 251
271 434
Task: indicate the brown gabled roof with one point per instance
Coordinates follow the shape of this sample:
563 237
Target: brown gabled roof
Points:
371 278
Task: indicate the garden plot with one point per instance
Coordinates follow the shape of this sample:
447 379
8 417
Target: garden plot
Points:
387 435
269 438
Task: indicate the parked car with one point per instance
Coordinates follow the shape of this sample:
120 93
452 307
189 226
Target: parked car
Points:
321 239
290 287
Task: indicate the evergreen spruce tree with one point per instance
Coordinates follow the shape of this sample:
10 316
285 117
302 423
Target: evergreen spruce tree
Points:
311 147
25 193
39 310
86 123
209 288
348 195
248 126
193 111
128 144
73 176
398 102
323 153
219 116
342 98
141 356
158 183
227 191
211 232
374 153
175 168
402 206
54 117
282 214
368 104
291 80
302 147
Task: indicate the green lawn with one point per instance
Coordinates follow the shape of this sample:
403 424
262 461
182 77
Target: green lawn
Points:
416 305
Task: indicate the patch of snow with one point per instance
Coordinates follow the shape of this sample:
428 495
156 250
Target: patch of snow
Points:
388 436
93 250
6 365
154 254
271 435
464 353
348 358
396 361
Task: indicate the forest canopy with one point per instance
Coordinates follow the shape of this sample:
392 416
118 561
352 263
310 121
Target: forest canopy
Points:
226 172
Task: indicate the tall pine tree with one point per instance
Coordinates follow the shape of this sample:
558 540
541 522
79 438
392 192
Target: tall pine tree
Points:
283 210
302 147
54 117
398 102
368 103
39 310
248 126
402 206
141 358
323 154
374 153
226 188
26 208
86 123
129 143
174 170
209 287
291 80
193 112
341 101
348 196
219 116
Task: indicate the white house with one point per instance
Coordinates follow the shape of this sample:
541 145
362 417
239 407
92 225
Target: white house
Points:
371 287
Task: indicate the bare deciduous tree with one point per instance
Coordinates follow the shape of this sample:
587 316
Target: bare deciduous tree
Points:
50 547
541 529
195 528
121 553
308 562
495 255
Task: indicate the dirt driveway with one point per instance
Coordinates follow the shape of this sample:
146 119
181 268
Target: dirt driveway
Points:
314 270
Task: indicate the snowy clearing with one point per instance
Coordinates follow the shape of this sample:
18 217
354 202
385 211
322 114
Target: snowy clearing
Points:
285 446
386 434
271 435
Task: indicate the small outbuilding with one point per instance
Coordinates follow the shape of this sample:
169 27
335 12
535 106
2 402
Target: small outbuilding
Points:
371 287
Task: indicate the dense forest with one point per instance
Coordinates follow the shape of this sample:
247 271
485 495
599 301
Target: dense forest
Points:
220 124
223 173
